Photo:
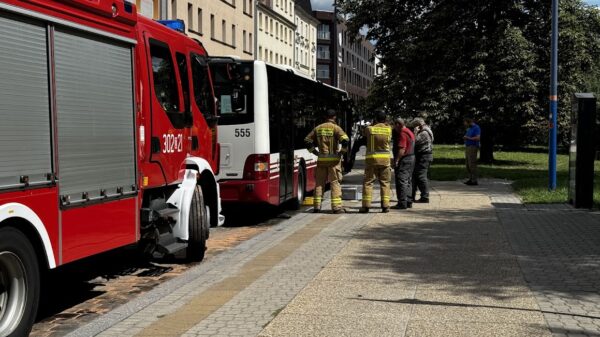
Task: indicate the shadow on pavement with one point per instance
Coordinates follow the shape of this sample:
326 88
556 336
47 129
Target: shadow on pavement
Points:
465 305
498 252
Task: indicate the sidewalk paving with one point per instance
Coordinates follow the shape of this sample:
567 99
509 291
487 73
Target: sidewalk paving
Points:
473 262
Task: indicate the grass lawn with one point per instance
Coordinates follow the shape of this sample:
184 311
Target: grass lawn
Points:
527 170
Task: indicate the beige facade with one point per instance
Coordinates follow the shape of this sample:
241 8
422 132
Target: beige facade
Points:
148 8
305 57
276 30
225 27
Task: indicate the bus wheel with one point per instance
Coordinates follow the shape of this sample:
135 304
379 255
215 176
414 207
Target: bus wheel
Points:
198 226
19 283
300 189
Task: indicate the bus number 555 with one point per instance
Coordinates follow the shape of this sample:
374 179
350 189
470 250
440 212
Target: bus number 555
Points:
242 132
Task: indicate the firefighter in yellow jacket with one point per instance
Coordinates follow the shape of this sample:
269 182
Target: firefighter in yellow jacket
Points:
324 141
378 163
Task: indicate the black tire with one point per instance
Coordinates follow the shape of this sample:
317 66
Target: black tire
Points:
300 190
19 283
198 227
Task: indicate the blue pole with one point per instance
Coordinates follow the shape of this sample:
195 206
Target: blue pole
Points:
553 99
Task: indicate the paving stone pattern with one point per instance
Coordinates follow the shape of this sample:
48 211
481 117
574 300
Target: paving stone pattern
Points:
559 254
439 269
104 283
131 317
255 306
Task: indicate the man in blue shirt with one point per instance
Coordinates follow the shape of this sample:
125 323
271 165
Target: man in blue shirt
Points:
472 138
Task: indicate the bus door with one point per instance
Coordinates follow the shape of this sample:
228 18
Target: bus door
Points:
286 149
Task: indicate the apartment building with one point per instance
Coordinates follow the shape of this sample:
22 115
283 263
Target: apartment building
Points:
275 32
326 47
225 27
356 63
347 65
305 54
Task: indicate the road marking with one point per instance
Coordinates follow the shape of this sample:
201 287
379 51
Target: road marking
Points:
204 304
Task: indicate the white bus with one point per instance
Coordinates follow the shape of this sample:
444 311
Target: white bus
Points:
265 112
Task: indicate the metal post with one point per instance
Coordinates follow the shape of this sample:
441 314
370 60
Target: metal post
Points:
553 99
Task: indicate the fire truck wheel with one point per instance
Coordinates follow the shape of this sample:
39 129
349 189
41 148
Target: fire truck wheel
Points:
300 190
19 283
198 224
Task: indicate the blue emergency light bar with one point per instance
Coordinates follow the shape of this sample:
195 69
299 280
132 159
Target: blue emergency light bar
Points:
177 25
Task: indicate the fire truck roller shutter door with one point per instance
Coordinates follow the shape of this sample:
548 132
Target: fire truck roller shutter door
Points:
25 147
94 90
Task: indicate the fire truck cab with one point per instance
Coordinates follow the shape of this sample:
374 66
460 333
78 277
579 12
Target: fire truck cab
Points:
107 139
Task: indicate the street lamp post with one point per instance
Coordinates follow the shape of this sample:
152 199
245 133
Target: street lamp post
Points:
553 99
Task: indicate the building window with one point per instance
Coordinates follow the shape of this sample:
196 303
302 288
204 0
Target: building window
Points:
212 26
277 30
233 35
190 23
260 26
323 32
322 71
250 43
244 42
223 30
250 7
260 55
271 26
173 9
200 20
323 52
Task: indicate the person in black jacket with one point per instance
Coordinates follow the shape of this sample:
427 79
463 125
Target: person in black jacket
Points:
423 159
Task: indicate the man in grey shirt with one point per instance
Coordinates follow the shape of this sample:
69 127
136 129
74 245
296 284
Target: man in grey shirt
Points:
423 159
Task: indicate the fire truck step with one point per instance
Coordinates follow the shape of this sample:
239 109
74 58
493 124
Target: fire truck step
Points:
168 244
168 212
172 248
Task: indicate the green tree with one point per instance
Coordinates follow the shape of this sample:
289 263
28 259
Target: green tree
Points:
489 59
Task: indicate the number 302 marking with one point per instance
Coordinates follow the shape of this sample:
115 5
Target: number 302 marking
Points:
172 143
242 132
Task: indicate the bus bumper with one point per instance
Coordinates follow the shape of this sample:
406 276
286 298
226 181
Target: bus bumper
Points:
245 191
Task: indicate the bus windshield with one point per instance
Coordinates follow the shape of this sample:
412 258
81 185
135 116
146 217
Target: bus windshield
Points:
233 90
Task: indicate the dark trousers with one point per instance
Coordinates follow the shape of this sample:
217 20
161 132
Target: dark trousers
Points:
404 173
420 175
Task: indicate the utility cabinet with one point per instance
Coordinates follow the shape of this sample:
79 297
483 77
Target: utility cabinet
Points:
582 151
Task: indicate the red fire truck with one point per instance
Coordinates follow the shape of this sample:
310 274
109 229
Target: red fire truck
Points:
107 138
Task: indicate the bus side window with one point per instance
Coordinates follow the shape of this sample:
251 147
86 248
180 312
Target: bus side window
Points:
165 82
203 95
185 83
